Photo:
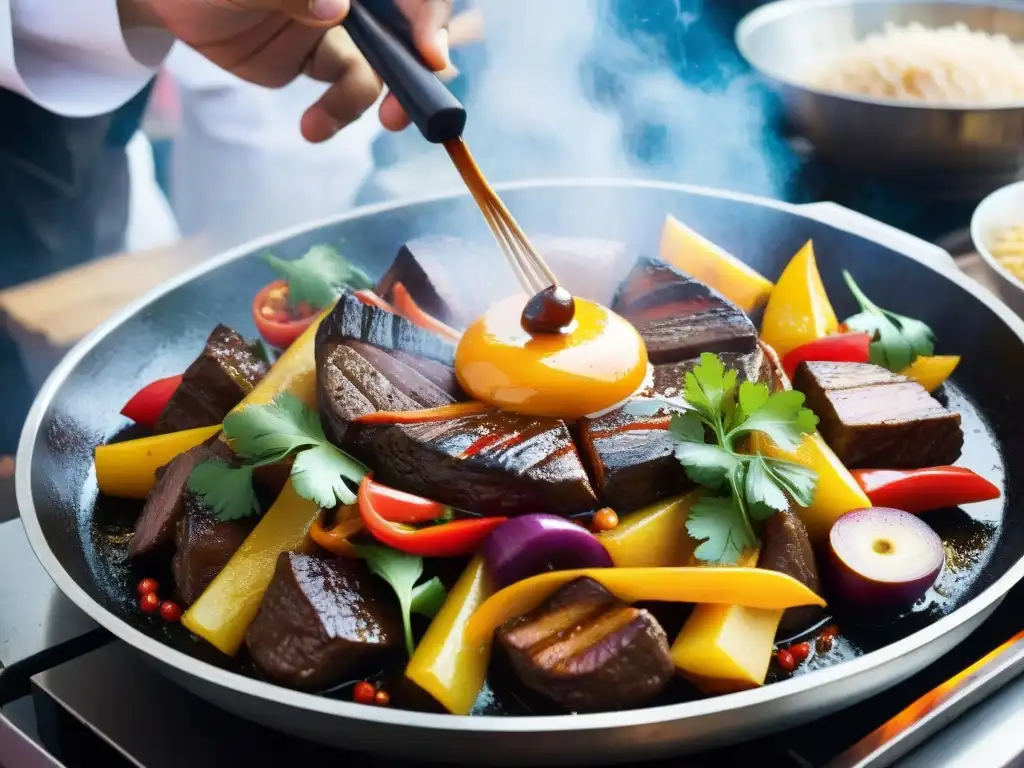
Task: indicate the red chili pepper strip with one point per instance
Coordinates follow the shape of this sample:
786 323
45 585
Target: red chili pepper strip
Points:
397 506
838 348
371 298
407 307
456 539
922 490
149 402
441 413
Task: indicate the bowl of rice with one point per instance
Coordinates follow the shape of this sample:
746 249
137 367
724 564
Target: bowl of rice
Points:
928 92
997 230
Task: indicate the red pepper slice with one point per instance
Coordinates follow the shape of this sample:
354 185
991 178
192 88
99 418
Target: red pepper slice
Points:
397 506
149 402
336 538
454 411
838 348
406 306
922 490
456 539
277 326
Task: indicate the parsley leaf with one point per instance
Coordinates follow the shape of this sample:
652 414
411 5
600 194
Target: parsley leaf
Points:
897 340
318 277
756 487
719 523
226 490
402 571
319 474
781 417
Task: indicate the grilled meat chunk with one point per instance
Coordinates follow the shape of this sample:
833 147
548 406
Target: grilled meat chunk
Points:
786 547
204 546
588 651
873 418
679 317
165 505
225 372
321 621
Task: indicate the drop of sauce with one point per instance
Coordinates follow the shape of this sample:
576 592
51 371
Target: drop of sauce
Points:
591 363
549 311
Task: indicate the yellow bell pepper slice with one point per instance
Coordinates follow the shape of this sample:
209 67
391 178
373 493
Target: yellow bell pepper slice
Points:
652 537
726 648
798 309
752 587
837 492
128 469
227 607
445 664
698 257
932 370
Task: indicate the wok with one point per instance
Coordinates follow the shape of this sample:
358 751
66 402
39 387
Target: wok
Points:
77 408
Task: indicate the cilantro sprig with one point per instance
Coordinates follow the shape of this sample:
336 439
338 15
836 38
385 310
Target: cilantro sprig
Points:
267 434
402 571
897 340
318 277
740 488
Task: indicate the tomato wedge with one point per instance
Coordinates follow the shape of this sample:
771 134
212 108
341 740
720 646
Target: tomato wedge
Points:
838 348
149 402
276 324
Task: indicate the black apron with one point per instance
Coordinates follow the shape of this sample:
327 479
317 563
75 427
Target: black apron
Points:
64 191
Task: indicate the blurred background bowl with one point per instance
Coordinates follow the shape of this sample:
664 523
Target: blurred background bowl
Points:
947 151
1001 209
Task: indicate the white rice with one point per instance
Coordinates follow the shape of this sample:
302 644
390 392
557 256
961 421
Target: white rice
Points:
916 63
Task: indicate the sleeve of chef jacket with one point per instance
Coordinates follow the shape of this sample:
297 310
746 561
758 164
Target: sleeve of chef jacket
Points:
72 57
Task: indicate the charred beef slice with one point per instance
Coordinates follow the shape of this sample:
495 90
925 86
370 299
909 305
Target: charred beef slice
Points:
588 651
632 457
165 505
321 621
873 418
679 317
786 547
213 384
204 545
491 464
456 280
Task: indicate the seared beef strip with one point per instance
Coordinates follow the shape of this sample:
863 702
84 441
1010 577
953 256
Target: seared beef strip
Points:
321 621
456 281
873 418
204 546
786 547
225 372
165 504
679 317
588 651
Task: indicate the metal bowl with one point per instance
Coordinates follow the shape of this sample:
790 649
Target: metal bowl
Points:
1003 208
949 151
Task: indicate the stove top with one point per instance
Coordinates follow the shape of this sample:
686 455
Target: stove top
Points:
72 696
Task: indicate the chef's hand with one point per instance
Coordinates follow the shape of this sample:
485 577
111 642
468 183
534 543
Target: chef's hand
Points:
271 42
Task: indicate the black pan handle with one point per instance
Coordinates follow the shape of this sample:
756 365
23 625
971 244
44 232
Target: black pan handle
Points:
384 36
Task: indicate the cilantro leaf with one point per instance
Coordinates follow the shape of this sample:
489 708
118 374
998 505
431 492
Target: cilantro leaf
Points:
401 571
428 598
687 427
752 398
319 474
763 495
708 385
782 418
270 433
796 480
318 277
897 340
706 464
226 490
718 522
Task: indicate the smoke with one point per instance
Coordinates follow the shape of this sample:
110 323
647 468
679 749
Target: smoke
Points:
642 89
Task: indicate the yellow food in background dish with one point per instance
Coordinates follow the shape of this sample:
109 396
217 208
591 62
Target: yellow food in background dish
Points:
1007 248
598 362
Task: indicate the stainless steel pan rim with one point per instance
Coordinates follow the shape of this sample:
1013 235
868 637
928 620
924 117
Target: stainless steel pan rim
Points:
780 9
483 724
